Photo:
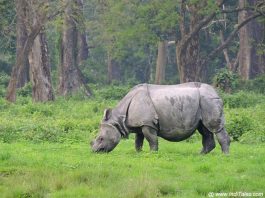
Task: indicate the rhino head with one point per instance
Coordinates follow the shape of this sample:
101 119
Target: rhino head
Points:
109 135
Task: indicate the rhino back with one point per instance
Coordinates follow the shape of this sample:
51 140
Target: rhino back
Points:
122 106
177 108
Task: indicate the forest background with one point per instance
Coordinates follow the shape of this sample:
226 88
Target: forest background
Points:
63 62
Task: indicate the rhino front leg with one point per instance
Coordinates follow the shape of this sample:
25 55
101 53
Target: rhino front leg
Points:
151 136
139 140
224 140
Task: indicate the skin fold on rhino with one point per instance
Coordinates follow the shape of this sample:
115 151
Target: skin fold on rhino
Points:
172 112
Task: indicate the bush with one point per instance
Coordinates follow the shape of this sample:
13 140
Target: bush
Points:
254 136
237 125
242 99
26 90
4 79
225 80
112 92
59 121
256 85
2 91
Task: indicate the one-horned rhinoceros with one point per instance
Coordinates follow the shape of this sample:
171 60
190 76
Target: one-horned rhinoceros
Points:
172 112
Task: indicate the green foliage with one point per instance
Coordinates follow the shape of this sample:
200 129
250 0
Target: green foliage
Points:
4 78
246 124
7 27
26 90
69 120
5 67
76 118
237 125
242 99
225 80
111 92
255 85
254 136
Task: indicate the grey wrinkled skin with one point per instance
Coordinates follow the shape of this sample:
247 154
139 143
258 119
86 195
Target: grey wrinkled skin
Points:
172 112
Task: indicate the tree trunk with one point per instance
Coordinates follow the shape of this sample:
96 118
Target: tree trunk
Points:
231 64
21 37
187 61
70 77
81 36
33 30
161 62
40 70
250 62
82 47
114 71
21 60
187 49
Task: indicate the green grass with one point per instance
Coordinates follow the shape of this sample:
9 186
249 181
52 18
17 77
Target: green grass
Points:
177 170
44 152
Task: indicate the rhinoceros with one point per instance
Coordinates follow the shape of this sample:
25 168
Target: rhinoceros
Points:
172 112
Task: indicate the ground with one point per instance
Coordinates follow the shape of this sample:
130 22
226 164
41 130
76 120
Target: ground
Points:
177 170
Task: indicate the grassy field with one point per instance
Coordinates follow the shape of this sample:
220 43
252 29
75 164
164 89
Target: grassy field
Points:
44 152
177 170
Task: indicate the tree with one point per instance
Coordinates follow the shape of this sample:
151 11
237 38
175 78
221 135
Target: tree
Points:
161 62
21 36
70 76
182 22
42 15
83 50
113 69
40 70
251 63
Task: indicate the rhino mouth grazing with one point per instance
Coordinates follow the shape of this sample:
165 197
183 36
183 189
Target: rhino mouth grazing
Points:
101 150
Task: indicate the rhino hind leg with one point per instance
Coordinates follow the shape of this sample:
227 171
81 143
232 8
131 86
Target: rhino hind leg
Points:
224 140
139 140
151 136
208 142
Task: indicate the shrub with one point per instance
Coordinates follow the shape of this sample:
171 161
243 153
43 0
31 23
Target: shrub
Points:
242 99
254 136
256 85
237 125
4 79
2 91
225 80
112 92
26 90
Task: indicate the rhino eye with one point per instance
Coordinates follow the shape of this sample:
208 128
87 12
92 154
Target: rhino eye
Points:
100 138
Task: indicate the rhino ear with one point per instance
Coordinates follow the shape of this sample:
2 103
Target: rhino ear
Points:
107 114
